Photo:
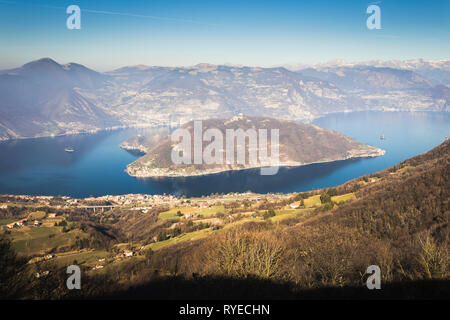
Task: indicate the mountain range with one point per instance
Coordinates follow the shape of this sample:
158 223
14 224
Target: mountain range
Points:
45 98
437 71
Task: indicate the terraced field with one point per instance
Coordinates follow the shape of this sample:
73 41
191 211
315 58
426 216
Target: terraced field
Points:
313 201
205 212
185 237
4 222
343 198
89 258
30 240
288 213
310 203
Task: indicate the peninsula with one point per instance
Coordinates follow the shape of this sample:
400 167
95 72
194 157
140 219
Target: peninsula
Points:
299 144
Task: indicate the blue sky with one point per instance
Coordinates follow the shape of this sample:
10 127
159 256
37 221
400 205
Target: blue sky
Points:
256 33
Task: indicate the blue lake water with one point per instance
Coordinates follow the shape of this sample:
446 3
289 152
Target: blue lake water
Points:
42 167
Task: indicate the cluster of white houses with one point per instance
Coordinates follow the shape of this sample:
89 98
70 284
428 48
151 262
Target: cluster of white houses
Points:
128 199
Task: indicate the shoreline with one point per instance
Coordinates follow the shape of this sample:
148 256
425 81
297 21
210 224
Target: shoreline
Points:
310 121
92 131
377 153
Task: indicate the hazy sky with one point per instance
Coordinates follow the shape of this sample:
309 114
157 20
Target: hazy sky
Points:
185 32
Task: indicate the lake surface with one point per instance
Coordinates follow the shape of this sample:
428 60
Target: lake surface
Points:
42 167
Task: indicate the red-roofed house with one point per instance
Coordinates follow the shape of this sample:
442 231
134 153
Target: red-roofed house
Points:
128 253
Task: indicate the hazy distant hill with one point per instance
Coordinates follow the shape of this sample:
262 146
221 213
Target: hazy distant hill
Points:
299 144
370 79
436 71
206 91
43 98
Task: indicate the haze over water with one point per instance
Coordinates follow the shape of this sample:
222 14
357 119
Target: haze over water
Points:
42 167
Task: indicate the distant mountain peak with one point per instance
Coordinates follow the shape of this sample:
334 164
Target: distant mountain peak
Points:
71 66
142 66
47 60
43 61
203 64
411 64
205 67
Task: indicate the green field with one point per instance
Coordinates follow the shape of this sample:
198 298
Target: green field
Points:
205 212
313 201
89 258
288 213
37 215
27 205
185 237
405 168
4 222
50 222
343 198
38 240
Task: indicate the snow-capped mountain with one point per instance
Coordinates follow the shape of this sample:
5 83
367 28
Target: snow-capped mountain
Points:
436 71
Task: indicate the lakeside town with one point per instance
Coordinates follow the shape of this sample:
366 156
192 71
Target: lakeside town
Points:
132 200
176 219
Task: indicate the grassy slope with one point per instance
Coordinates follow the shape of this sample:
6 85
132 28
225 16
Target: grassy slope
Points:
30 240
205 212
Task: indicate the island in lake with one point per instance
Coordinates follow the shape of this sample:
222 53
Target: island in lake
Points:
299 144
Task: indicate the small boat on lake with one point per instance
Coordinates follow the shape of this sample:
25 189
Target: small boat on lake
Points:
69 150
